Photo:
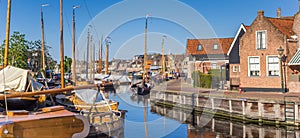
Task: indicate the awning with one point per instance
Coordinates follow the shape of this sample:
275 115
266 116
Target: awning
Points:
296 59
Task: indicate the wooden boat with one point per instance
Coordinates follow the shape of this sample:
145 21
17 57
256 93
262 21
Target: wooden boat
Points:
48 122
103 114
16 80
141 88
144 87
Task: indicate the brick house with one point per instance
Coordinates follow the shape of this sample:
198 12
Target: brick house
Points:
209 53
259 58
234 58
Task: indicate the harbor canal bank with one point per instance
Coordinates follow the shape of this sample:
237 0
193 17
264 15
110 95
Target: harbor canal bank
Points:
261 108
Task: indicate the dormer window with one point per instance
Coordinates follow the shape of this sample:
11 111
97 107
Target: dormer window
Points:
200 47
261 39
216 46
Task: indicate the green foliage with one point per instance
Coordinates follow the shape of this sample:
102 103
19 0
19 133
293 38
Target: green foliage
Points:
209 80
20 50
68 64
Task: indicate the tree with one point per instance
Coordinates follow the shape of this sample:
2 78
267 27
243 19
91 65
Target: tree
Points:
18 50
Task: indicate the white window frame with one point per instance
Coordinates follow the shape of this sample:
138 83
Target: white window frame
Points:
216 46
235 68
200 48
261 39
249 67
214 66
275 64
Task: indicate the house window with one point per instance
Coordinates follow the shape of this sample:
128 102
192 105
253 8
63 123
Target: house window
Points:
214 66
216 46
261 39
254 67
200 47
235 68
273 66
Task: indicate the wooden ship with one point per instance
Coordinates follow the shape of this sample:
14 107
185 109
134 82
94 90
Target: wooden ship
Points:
103 114
144 87
48 122
52 121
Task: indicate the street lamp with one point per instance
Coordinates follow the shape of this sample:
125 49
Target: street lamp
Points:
280 52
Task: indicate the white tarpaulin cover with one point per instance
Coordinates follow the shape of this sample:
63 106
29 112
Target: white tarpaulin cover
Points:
13 78
88 95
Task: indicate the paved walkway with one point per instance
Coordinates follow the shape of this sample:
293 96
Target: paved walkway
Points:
182 87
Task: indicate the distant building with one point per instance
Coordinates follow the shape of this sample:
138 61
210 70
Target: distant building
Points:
207 54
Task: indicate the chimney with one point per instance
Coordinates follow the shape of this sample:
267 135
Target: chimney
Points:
279 12
260 13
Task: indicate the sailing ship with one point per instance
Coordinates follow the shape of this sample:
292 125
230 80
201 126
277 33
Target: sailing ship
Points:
144 87
103 114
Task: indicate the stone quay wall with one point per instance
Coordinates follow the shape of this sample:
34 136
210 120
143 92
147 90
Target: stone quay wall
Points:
270 112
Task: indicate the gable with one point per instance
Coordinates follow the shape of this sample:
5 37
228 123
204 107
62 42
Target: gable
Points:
242 29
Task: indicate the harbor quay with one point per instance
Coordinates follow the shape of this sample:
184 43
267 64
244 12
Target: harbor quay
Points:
265 108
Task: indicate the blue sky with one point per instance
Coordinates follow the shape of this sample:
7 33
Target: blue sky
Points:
124 22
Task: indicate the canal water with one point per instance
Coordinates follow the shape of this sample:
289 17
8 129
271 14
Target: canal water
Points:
145 119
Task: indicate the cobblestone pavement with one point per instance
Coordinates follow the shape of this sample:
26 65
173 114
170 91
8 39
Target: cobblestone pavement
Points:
180 86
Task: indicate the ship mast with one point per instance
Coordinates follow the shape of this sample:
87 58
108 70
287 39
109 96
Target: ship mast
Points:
91 58
62 64
145 47
106 59
100 57
7 34
73 47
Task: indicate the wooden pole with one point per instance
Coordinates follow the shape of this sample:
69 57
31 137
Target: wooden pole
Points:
7 34
91 59
50 91
43 41
87 55
145 47
62 64
106 59
100 57
73 47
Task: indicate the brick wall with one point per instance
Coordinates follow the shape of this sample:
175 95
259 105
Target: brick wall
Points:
274 39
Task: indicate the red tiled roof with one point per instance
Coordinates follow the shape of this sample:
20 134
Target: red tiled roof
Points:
208 45
285 25
247 27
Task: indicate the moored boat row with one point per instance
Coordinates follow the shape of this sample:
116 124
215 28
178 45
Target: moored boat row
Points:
83 110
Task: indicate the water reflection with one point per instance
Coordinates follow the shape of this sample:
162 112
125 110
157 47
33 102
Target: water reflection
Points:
217 127
139 121
146 119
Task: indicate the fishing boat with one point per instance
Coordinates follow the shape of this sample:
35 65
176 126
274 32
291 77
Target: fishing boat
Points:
103 114
47 122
